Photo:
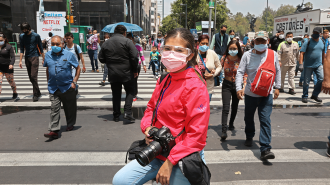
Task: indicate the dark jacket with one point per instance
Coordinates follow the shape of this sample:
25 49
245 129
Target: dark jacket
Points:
275 42
7 55
121 58
220 50
31 43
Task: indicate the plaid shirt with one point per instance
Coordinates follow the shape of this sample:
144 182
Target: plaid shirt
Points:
92 42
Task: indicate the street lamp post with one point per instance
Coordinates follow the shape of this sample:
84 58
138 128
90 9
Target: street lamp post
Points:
211 6
186 13
266 16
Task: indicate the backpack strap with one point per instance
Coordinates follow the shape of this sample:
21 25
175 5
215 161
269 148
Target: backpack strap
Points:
76 50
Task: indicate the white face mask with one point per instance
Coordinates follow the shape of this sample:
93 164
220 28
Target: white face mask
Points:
281 36
174 61
289 40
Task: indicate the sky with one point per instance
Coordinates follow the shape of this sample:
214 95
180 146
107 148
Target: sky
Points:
257 6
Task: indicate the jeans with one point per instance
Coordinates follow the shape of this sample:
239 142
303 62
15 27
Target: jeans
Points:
265 107
154 65
116 88
228 93
319 76
134 173
210 95
32 66
302 78
221 73
105 73
68 98
93 56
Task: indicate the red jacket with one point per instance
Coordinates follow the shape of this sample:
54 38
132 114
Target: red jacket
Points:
184 104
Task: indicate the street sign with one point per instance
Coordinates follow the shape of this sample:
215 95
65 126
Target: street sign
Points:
198 26
211 4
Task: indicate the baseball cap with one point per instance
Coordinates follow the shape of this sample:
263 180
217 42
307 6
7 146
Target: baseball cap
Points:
318 29
261 34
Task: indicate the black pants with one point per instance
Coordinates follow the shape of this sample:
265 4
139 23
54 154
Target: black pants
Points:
32 66
135 81
69 101
116 88
228 93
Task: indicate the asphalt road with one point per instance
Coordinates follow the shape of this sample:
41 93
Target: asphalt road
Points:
95 150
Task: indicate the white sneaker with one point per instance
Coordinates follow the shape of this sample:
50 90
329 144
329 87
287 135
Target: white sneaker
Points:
157 77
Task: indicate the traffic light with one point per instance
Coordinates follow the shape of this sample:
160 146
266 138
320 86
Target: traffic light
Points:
72 19
67 18
71 8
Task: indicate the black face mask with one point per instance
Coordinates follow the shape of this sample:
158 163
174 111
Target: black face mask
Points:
223 31
26 32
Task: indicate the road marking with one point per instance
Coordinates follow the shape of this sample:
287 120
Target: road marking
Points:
118 158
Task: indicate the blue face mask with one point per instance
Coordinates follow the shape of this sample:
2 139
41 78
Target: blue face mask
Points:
231 36
203 48
261 47
316 36
56 49
233 52
2 43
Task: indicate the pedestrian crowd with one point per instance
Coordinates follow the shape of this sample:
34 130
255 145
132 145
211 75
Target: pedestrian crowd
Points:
253 71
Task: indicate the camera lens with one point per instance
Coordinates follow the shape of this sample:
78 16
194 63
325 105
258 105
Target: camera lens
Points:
149 153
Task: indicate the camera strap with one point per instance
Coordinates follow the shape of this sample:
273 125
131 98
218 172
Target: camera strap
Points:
161 92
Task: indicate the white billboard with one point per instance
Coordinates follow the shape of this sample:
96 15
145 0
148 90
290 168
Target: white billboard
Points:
205 24
54 22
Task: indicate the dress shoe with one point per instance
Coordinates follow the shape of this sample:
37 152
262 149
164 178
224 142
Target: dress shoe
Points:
224 136
248 142
231 127
35 98
102 83
51 135
116 119
69 128
267 154
291 91
304 100
97 71
129 117
316 99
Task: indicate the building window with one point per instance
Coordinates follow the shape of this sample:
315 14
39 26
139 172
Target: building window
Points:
152 20
152 12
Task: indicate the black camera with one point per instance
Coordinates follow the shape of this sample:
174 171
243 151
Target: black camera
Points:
162 143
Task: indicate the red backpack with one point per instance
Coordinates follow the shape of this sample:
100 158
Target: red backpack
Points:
265 77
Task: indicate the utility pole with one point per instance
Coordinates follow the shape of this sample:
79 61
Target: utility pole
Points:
211 6
163 10
68 5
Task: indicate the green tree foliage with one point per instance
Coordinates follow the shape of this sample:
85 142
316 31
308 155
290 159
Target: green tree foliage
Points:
169 23
198 10
285 10
309 4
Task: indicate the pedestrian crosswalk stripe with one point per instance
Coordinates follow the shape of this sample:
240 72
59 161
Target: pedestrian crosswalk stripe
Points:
118 158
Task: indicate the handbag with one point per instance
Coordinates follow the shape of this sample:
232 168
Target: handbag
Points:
265 77
216 79
195 170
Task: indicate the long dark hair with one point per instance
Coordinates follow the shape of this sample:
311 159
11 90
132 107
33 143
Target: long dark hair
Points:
4 37
185 35
240 52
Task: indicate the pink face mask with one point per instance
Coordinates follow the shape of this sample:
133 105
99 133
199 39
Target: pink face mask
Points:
174 61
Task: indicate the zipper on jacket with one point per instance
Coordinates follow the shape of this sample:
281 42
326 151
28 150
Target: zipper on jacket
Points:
161 99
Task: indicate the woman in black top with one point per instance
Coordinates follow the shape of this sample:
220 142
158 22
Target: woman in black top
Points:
7 60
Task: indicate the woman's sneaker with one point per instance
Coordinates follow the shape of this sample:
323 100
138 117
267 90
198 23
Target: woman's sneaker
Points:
15 95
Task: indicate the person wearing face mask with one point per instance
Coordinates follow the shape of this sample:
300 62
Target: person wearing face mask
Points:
219 44
250 63
7 61
30 43
311 59
276 40
230 63
183 102
231 34
288 55
61 86
246 40
208 63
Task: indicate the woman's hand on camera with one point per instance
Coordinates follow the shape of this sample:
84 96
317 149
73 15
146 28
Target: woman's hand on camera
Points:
164 173
148 141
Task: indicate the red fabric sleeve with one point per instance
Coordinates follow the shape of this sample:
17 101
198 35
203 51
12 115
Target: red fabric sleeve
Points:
196 100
